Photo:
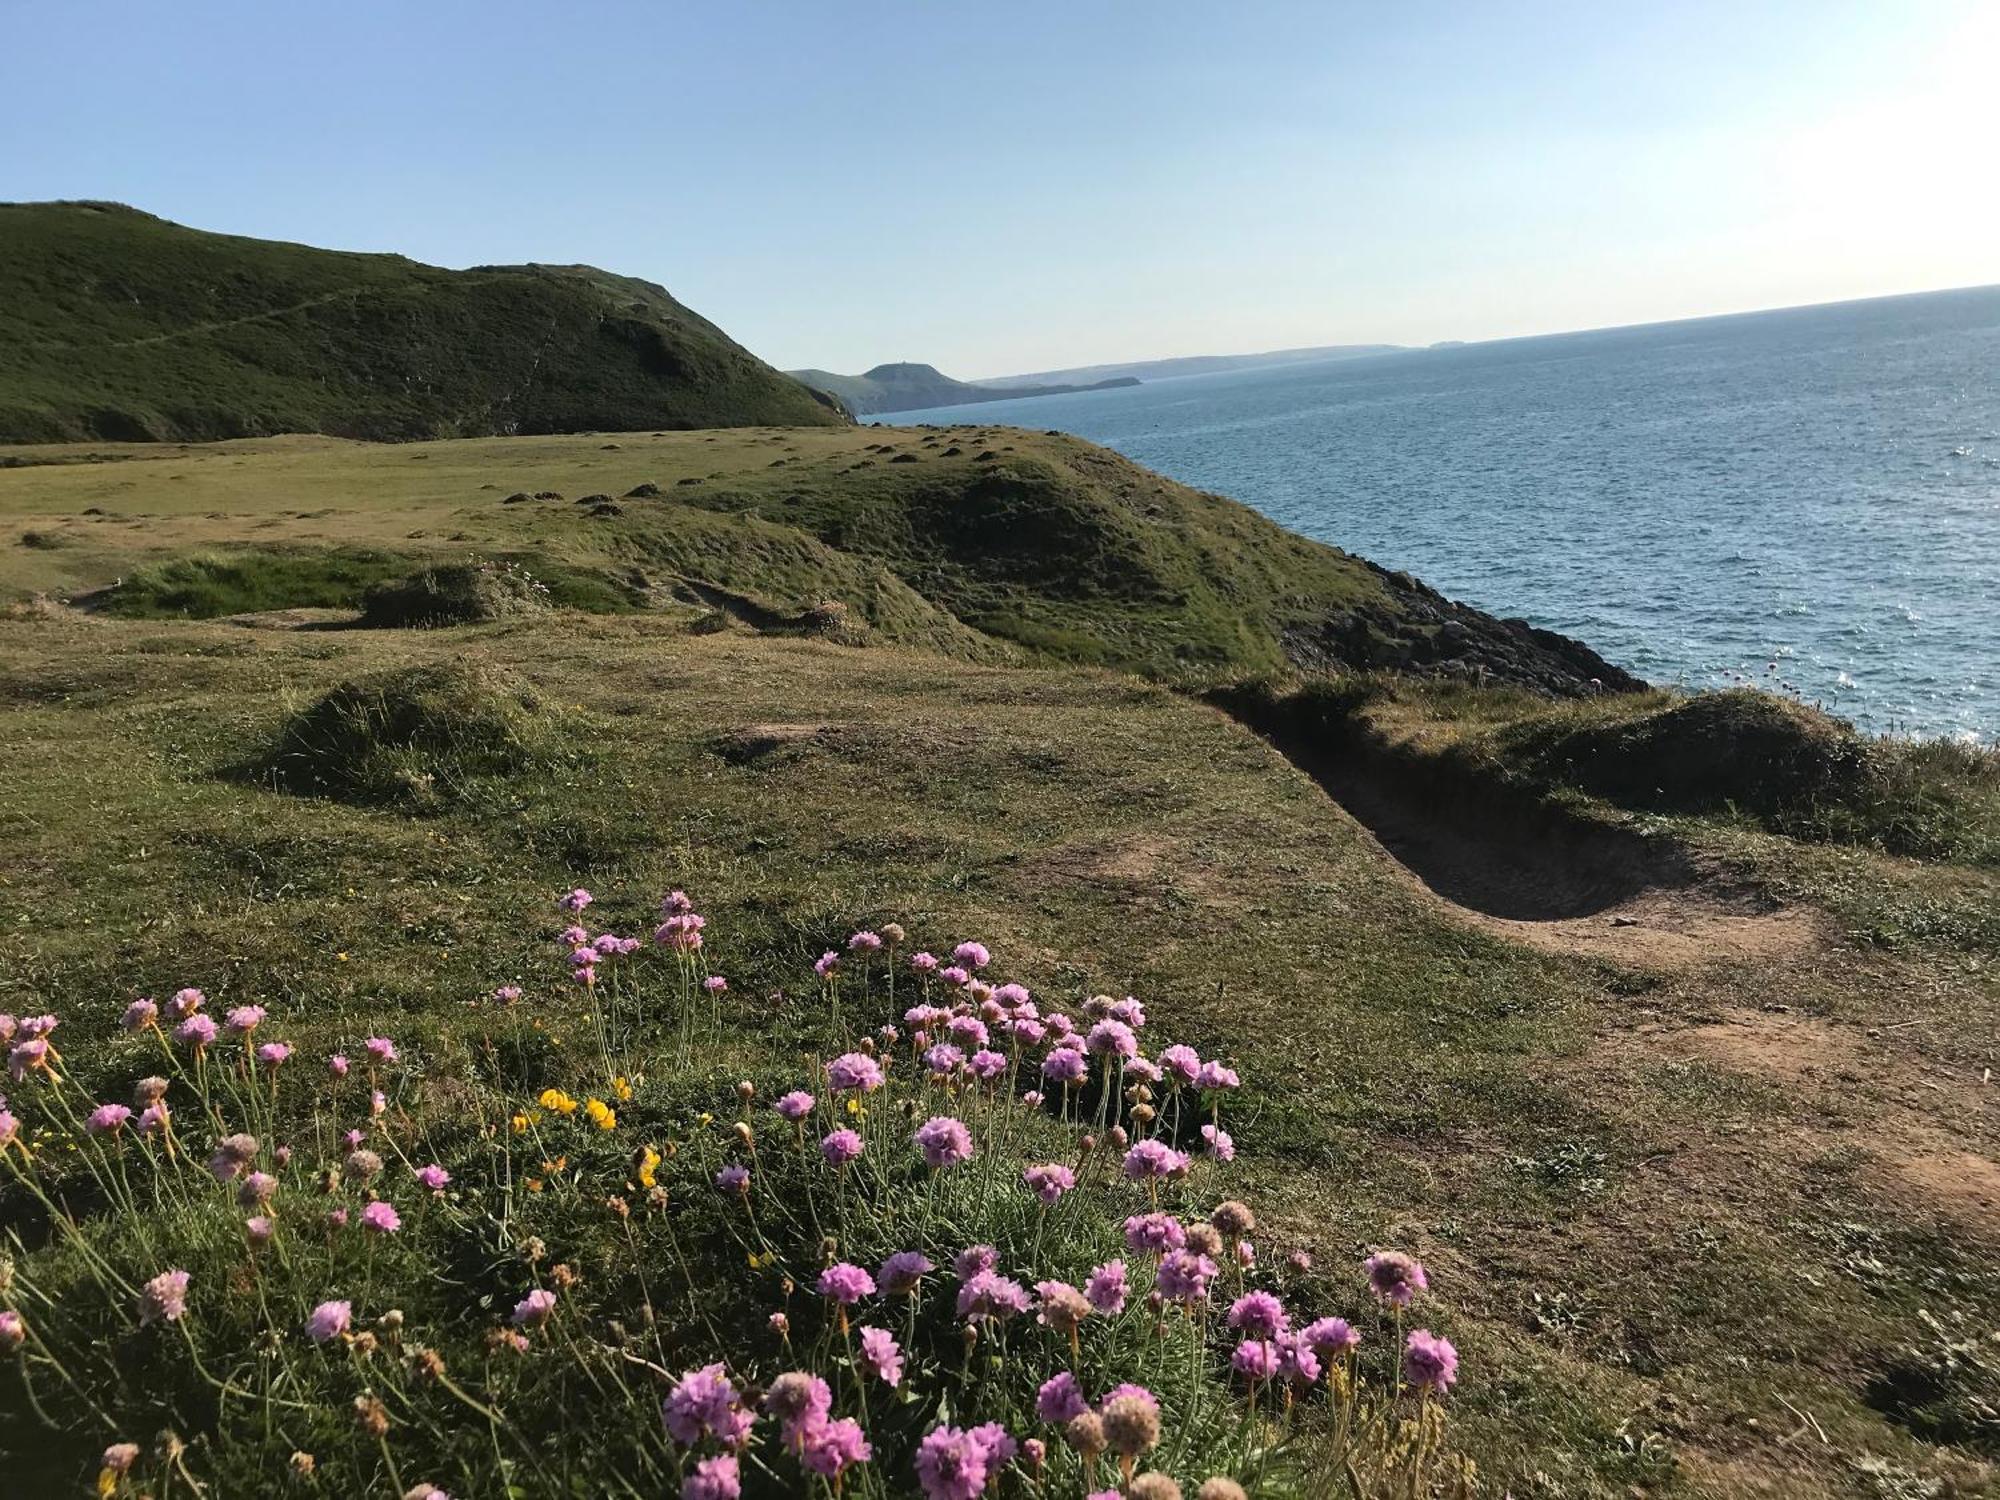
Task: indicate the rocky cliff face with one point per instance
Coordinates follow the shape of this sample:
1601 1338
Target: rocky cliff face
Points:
1419 630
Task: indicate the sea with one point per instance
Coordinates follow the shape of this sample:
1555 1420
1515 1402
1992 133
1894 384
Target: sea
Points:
1805 499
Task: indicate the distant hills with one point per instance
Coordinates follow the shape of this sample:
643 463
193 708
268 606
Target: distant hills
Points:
911 387
1191 364
115 324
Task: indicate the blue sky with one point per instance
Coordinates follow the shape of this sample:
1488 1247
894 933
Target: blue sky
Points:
1012 187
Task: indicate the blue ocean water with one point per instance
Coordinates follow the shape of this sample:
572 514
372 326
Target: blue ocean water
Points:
1807 498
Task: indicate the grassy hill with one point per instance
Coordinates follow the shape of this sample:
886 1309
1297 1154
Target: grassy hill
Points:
913 387
986 541
118 325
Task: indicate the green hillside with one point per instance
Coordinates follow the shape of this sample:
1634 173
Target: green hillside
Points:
979 540
118 325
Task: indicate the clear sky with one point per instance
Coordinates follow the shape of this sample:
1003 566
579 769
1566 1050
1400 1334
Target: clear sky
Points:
1008 187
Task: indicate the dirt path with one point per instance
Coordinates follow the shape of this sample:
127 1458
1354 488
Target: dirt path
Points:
1563 885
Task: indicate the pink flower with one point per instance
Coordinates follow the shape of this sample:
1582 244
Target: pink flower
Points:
107 1119
826 963
1049 1181
1395 1277
197 1031
271 1054
329 1321
882 1355
1258 1315
973 1259
796 1105
1214 1075
714 1479
864 942
1065 1066
1430 1363
1330 1338
244 1019
952 1464
943 1058
380 1218
1220 1146
186 1003
1110 1038
1152 1233
1184 1276
924 963
1298 1363
164 1298
944 1141
846 1283
13 1331
989 1295
829 1448
733 1178
576 900
535 1309
704 1404
433 1177
840 1147
902 1271
1153 1159
715 984
381 1051
675 904
140 1014
256 1189
854 1071
10 1128
1060 1399
258 1229
972 955
337 1065
987 1065
1255 1359
1106 1289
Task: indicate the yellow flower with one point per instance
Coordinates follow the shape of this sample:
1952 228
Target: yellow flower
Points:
601 1113
342 957
558 1101
704 1118
519 1124
534 1184
649 1167
853 1106
622 1089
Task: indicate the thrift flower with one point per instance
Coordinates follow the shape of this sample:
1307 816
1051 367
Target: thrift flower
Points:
972 955
1430 1363
197 1031
882 1355
864 942
535 1309
1065 1066
381 1051
1153 1159
139 1015
901 1272
1060 1399
840 1148
1330 1338
1184 1277
944 1141
13 1331
1106 1288
1255 1359
271 1054
1258 1315
733 1178
829 1448
1220 1146
433 1177
714 1479
329 1320
973 1259
244 1019
1298 1362
704 1404
1049 1181
846 1283
1152 1233
107 1119
1395 1277
797 1398
164 1298
952 1464
854 1071
991 1296
796 1105
380 1218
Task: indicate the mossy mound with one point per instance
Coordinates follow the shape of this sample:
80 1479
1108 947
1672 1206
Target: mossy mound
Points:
457 594
423 738
1742 750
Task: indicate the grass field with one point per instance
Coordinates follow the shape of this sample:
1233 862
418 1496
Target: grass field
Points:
1717 1226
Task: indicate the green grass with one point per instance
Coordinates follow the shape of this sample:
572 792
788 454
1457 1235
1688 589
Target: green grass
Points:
1633 1265
118 325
